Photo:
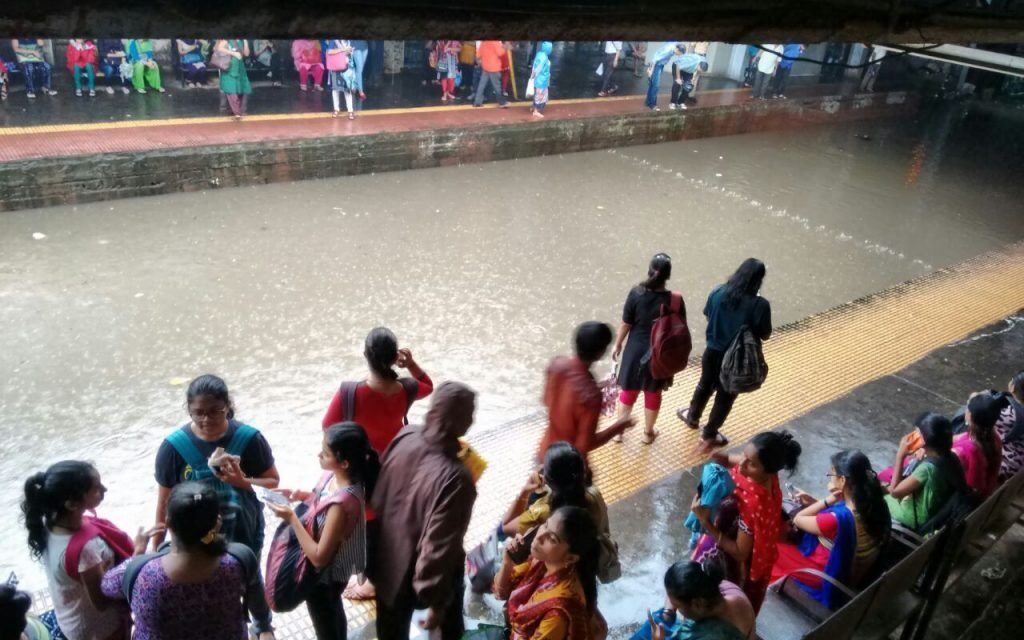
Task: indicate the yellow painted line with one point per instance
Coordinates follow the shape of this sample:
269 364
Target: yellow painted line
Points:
812 362
278 117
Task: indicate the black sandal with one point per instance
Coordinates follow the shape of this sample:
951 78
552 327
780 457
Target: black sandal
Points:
684 415
718 442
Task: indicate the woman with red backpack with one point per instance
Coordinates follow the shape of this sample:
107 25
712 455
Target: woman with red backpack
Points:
331 530
644 306
76 549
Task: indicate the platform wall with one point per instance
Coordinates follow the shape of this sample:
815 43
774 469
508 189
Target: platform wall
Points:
89 178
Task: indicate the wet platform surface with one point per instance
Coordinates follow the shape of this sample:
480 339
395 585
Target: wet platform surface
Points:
63 140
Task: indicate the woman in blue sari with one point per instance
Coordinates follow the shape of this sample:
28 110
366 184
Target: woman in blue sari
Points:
843 533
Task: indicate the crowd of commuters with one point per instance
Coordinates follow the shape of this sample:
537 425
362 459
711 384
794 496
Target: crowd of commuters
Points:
460 69
388 512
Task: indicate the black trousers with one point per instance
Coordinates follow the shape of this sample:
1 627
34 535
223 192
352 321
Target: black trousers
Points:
393 620
679 94
327 613
710 369
781 77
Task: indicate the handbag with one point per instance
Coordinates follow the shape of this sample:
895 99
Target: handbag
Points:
220 60
481 564
337 61
529 88
610 392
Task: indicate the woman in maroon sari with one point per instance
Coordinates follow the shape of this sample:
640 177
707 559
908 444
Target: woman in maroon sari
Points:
746 529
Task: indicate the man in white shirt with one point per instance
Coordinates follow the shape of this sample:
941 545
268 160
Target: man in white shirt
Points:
766 65
612 51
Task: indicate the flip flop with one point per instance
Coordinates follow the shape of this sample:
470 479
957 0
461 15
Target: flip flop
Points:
684 415
707 446
649 438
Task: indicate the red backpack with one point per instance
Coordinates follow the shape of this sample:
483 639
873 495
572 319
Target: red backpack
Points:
670 340
119 541
290 576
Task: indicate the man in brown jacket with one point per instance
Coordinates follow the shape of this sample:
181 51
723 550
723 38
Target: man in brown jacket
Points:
423 500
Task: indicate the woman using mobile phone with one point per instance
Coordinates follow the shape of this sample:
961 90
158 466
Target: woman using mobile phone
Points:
333 539
554 595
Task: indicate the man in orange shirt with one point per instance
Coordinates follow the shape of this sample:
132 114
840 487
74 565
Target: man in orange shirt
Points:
573 397
490 53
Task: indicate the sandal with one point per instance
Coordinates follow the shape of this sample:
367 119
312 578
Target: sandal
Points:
707 446
684 415
649 438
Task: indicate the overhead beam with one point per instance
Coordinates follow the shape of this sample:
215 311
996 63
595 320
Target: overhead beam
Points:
907 21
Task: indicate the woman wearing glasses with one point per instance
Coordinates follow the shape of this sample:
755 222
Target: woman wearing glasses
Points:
842 533
217 450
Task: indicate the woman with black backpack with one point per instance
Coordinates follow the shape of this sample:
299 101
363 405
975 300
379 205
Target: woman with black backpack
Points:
729 308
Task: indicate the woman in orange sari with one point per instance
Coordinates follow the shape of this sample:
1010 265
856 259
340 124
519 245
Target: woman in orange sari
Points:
553 594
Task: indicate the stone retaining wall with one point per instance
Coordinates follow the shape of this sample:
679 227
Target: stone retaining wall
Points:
89 178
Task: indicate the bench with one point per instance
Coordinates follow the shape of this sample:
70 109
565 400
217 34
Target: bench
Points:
790 612
976 535
906 594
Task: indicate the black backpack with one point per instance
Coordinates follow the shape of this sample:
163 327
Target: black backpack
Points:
348 397
743 366
242 553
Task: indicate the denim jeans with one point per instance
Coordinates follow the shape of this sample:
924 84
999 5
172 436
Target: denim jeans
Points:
359 66
652 86
30 69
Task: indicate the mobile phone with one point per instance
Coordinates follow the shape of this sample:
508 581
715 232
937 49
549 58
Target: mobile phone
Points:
791 490
521 556
266 495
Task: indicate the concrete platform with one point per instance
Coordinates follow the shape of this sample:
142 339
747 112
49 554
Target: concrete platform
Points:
69 164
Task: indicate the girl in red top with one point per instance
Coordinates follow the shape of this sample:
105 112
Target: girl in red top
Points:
82 59
382 400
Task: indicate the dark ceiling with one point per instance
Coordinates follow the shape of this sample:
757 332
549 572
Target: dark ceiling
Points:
962 21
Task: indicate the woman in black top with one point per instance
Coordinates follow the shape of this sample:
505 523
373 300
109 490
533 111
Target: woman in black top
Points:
642 308
730 307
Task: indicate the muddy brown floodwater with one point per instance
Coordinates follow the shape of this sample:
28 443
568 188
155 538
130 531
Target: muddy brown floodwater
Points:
482 270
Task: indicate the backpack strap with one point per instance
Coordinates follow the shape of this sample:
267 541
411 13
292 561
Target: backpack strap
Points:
240 441
348 400
186 449
412 389
79 539
245 557
134 566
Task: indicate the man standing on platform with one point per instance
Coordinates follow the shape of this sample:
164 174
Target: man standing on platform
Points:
573 398
790 53
664 55
490 53
767 62
423 500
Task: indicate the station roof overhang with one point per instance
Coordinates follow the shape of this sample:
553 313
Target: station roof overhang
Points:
905 21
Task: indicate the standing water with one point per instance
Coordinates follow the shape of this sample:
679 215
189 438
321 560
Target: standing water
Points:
482 270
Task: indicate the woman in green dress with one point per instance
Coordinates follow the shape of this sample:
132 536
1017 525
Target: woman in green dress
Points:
234 81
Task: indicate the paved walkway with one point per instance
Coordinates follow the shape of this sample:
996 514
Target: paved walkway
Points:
63 140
